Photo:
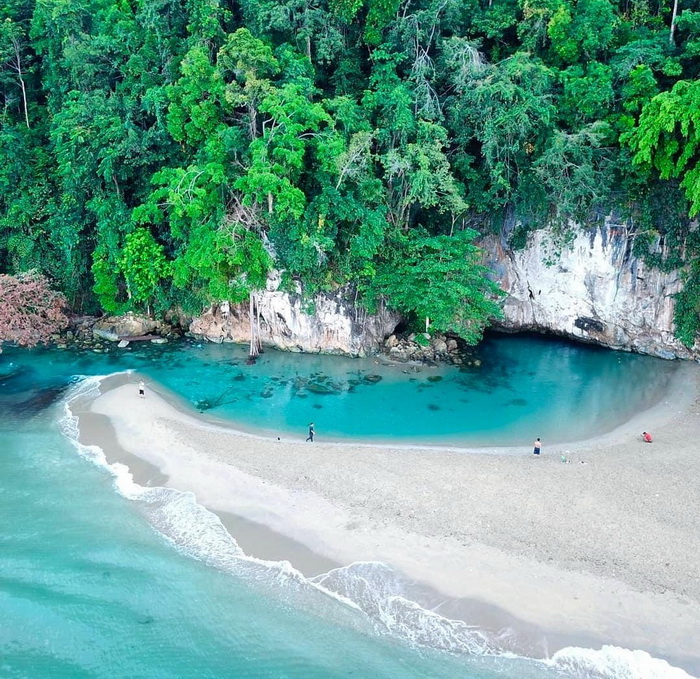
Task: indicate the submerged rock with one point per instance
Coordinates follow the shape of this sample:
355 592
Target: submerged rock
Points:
372 379
323 388
40 401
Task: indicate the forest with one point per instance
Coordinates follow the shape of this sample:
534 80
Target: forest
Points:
161 154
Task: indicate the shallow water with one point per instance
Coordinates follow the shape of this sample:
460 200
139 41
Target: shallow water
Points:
102 578
525 387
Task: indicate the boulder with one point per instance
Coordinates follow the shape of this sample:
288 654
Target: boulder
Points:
129 325
439 345
105 334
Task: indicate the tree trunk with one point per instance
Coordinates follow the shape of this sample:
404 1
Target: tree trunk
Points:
18 67
673 22
257 329
254 317
24 99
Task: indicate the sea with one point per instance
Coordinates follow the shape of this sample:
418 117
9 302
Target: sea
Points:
100 577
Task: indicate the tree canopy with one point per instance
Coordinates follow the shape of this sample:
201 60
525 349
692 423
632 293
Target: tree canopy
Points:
158 154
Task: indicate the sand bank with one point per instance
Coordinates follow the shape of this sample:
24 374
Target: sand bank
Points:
603 552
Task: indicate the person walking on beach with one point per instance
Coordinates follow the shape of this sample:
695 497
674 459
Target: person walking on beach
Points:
646 437
142 389
538 446
312 433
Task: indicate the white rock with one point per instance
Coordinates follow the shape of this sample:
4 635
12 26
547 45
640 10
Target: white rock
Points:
334 327
592 289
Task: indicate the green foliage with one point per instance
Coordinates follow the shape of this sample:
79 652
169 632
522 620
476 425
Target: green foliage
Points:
687 309
667 138
143 263
421 340
440 278
166 154
574 168
584 29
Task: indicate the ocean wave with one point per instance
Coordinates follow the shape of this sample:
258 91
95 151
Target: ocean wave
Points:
381 592
382 597
612 662
176 515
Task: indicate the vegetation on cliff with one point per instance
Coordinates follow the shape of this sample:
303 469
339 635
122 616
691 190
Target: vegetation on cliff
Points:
159 153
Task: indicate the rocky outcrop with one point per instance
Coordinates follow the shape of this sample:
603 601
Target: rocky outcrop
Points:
427 348
128 325
328 324
592 289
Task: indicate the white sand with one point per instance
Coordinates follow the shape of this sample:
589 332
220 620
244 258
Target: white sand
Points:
601 552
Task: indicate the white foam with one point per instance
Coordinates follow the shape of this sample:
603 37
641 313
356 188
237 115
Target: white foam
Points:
176 515
612 662
373 589
380 591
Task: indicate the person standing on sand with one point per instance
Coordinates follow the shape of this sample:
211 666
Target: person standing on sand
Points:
538 446
312 433
142 389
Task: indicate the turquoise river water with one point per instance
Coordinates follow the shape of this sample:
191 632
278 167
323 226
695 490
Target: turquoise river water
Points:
91 587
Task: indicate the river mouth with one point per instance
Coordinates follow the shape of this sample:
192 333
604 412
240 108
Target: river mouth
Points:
524 387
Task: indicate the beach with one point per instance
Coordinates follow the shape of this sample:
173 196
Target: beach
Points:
540 553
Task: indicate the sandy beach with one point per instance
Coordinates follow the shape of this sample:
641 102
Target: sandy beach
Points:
600 550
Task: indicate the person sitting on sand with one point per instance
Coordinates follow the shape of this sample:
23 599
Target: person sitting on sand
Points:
646 436
538 446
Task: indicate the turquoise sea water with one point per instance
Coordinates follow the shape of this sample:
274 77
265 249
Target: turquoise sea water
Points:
93 584
525 387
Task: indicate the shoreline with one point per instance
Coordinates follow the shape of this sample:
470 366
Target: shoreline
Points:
486 551
683 390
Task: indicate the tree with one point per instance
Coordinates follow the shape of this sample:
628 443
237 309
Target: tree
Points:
143 264
575 171
441 279
667 138
506 108
12 57
30 311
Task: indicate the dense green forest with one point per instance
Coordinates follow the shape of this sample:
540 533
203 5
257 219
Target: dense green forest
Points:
163 153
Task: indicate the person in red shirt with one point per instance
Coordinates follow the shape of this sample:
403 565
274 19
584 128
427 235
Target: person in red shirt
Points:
646 436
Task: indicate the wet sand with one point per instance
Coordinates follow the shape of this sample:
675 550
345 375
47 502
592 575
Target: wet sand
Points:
601 550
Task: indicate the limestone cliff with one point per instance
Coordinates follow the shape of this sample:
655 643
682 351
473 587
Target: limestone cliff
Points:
592 289
329 324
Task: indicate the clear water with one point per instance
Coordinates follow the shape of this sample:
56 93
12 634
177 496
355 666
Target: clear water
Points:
91 586
88 589
525 387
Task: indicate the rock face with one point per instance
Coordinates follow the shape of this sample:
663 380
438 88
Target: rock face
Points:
332 325
592 289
